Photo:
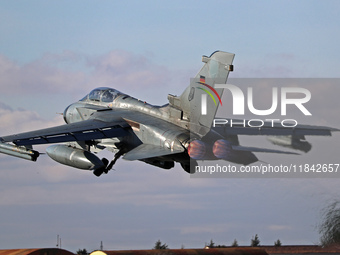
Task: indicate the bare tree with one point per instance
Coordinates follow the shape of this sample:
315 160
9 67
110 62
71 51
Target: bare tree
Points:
329 228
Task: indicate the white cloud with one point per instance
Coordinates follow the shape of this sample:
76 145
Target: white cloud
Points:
37 77
51 73
57 76
21 120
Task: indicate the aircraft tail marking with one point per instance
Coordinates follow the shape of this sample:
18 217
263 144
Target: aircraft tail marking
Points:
202 82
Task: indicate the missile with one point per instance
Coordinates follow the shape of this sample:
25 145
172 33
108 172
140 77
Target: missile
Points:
74 157
20 152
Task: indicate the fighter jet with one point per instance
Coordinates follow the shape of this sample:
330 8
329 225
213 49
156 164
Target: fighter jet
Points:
180 131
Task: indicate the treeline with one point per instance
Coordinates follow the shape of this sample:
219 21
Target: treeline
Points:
254 242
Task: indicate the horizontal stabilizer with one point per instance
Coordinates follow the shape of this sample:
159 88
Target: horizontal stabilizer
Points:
144 151
255 149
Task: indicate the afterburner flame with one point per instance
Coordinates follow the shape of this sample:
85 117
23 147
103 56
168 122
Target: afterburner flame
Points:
197 149
221 149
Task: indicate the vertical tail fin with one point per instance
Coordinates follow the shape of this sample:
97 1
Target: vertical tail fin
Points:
200 100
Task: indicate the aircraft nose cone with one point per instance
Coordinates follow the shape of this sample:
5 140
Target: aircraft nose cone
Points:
65 114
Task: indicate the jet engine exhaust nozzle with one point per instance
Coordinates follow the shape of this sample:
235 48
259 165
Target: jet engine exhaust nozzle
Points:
222 149
197 149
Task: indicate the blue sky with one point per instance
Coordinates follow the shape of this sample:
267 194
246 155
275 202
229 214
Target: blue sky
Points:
256 29
53 53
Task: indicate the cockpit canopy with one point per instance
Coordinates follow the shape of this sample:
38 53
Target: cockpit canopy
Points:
105 95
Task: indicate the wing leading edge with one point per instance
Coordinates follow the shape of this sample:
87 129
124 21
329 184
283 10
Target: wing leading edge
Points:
79 131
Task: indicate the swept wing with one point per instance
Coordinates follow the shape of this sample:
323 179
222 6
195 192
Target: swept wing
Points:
242 127
291 137
80 131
